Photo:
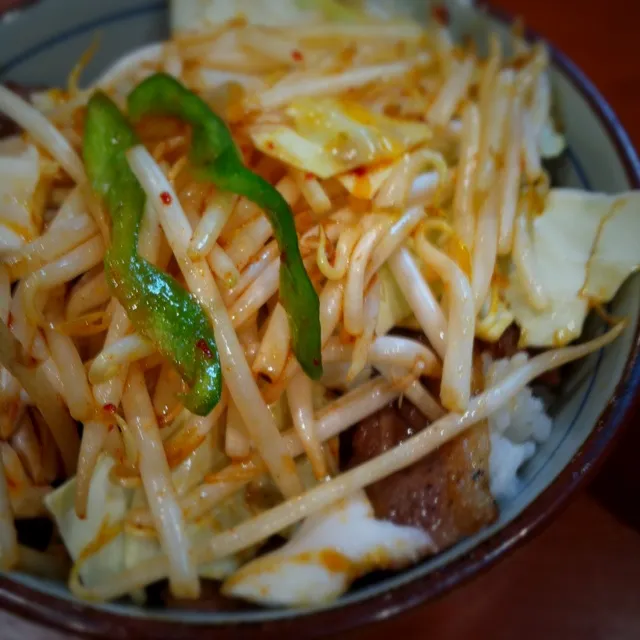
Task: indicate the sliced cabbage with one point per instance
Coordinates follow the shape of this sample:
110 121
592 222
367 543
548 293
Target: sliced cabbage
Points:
326 554
494 319
261 494
617 249
106 506
185 476
196 14
138 548
365 184
394 309
585 246
336 10
244 504
19 175
228 514
331 136
284 143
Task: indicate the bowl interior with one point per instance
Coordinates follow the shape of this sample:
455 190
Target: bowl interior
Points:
40 46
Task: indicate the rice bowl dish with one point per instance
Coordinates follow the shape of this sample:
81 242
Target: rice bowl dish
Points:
371 265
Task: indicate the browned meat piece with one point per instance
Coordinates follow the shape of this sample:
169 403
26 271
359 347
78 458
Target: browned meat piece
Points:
446 494
507 346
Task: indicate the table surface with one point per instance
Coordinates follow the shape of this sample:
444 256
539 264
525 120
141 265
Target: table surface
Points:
580 578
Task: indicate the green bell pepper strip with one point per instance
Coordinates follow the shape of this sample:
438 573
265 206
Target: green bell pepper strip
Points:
214 157
158 307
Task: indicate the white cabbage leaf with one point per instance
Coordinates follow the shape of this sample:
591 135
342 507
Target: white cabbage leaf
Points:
226 515
394 308
365 185
327 552
188 474
330 136
494 318
585 246
109 504
237 508
106 506
197 14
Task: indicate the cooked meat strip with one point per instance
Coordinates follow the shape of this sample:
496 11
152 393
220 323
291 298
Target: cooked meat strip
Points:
446 494
505 347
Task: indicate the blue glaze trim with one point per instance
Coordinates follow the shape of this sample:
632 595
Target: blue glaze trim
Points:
586 184
81 29
579 169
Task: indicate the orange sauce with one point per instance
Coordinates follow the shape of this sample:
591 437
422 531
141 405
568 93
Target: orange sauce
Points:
499 280
108 531
39 200
334 561
362 188
459 253
236 472
169 415
182 447
125 475
289 464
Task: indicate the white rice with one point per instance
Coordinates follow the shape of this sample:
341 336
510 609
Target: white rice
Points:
516 429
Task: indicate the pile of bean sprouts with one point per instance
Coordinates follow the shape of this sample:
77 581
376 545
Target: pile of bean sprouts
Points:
440 222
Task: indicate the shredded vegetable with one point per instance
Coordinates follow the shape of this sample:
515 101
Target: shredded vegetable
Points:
214 153
160 309
268 294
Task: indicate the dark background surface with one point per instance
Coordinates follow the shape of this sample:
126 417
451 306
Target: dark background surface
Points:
581 577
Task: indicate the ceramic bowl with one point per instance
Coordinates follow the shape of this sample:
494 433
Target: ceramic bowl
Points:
40 44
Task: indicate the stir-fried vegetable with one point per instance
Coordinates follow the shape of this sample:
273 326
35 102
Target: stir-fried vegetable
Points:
159 308
35 382
417 178
582 247
326 553
329 136
215 156
187 15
